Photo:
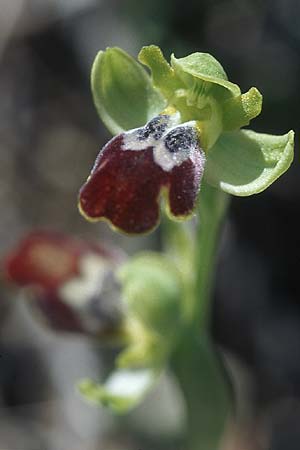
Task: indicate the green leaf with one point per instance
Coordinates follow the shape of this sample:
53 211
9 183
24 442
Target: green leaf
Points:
122 391
123 92
243 163
203 67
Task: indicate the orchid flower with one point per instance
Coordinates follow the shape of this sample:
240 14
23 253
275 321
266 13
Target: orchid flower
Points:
174 129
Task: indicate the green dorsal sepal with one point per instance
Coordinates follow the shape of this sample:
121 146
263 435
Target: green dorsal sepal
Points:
123 92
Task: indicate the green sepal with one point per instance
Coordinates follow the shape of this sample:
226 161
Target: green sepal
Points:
122 91
152 289
243 162
122 391
239 111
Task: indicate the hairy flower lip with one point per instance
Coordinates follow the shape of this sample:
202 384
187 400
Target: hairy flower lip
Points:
162 196
131 174
111 224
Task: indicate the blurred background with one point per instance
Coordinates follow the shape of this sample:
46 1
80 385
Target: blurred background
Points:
49 137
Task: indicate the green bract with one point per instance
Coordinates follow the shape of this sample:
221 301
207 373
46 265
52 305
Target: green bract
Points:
238 162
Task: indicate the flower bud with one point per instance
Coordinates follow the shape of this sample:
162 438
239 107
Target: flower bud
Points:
152 290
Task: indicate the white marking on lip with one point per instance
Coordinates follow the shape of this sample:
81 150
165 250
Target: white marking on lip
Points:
168 160
162 156
132 141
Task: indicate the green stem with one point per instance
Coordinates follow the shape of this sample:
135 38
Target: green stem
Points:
196 363
206 393
212 206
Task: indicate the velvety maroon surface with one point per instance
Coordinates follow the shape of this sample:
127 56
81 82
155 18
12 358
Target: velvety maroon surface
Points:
185 185
124 187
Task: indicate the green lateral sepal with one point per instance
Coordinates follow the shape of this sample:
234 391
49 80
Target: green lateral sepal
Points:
243 162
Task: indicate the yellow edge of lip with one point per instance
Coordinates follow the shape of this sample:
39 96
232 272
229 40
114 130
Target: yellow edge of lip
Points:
163 192
111 225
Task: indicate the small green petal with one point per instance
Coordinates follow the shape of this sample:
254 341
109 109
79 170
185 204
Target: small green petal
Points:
202 66
238 111
123 92
163 75
122 391
243 163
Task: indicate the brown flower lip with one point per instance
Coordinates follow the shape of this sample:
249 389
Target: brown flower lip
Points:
133 170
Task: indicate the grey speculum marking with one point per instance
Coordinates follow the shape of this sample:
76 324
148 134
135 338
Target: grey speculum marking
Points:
155 128
180 139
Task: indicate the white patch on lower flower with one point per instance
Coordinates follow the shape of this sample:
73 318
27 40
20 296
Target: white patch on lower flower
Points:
93 295
77 291
129 383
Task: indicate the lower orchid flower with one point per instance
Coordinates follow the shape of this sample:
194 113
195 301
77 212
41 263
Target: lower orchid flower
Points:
70 283
78 286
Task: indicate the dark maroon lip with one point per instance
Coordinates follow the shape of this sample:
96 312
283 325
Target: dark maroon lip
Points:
125 185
